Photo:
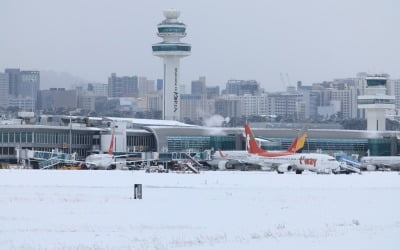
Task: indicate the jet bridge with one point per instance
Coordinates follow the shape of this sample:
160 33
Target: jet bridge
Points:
43 159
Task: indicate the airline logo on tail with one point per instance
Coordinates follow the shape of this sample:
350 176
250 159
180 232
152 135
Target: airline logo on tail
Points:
295 147
253 146
298 143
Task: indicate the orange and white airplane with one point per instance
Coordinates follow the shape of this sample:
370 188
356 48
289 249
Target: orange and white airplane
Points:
229 159
290 161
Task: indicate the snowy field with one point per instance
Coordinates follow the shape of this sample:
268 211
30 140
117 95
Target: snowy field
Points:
212 210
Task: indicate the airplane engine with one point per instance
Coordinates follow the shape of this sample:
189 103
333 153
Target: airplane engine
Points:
284 168
371 168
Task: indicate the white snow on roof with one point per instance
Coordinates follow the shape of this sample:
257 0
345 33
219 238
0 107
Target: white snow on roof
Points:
150 122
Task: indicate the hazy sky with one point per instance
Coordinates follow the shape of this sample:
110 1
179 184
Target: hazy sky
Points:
303 40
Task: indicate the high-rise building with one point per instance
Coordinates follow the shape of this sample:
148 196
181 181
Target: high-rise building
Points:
193 107
23 84
14 81
145 86
30 84
348 101
241 87
124 86
285 104
171 49
98 89
228 107
86 101
4 90
199 86
394 90
58 98
159 84
22 103
212 92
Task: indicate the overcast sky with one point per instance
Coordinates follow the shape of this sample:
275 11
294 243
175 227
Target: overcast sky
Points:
302 40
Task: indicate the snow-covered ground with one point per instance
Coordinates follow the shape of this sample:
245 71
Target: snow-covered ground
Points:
212 210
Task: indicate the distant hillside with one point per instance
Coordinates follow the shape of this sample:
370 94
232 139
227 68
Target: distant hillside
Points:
52 79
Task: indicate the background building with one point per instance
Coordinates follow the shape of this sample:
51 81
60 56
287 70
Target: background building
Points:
124 86
56 98
4 90
23 89
199 86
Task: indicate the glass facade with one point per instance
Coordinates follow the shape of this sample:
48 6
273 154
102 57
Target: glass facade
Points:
16 137
200 143
225 142
171 47
45 140
141 143
376 82
171 30
380 147
376 101
184 143
326 145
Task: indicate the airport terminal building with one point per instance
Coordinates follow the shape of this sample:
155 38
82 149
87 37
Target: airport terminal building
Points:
87 135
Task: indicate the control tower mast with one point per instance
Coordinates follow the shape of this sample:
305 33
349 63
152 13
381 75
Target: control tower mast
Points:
376 102
171 49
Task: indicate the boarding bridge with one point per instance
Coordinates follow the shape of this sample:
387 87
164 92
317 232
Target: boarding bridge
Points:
351 161
44 159
50 163
349 165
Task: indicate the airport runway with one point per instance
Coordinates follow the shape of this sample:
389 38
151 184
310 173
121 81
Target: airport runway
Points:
68 209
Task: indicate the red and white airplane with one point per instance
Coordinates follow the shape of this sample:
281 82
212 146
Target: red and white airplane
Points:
107 161
288 161
231 159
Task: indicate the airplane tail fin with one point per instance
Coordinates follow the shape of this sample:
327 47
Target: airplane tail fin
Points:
221 153
298 143
253 147
302 137
111 147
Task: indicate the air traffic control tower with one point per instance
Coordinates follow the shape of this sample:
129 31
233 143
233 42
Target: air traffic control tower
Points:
171 50
376 102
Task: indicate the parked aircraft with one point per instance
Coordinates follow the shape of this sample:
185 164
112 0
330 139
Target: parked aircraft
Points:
246 160
373 163
109 160
288 161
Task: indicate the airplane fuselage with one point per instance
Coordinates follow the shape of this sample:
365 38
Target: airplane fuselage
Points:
100 161
304 161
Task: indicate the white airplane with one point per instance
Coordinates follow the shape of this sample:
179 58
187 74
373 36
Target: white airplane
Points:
288 161
107 161
373 163
230 159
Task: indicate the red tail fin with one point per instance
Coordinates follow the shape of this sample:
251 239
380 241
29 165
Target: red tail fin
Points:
221 154
293 146
253 146
111 148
